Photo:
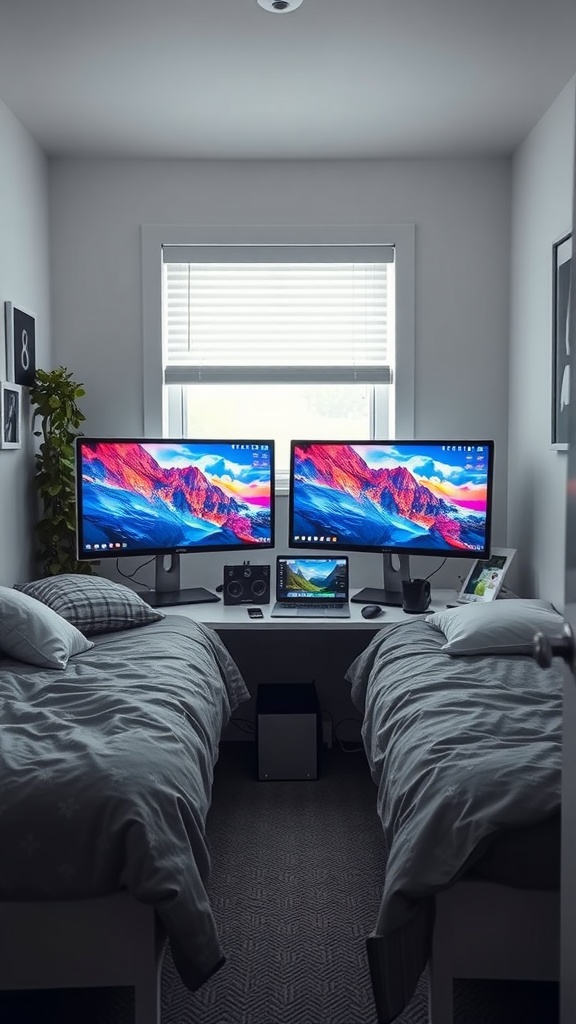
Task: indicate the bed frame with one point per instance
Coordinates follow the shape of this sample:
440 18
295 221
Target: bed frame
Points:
100 942
486 930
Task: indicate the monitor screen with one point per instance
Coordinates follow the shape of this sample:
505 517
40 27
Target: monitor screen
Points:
400 497
150 497
139 497
313 579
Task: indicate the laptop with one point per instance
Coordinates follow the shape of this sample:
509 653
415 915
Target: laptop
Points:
311 587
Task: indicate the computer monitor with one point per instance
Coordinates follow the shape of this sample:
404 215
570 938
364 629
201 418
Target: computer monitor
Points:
399 498
167 497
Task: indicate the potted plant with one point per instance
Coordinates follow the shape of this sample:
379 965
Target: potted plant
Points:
54 396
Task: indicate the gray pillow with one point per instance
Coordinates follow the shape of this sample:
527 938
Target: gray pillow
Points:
92 603
501 627
33 633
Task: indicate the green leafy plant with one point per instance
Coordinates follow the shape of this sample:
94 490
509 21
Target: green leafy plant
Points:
54 396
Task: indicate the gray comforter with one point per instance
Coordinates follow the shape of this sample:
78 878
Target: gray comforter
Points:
105 777
459 748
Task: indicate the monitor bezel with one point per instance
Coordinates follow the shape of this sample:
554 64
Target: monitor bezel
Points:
396 549
93 556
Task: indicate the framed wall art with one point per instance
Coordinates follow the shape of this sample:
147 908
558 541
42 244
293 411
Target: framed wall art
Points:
561 285
20 345
10 415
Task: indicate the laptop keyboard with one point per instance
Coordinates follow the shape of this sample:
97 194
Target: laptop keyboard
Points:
317 610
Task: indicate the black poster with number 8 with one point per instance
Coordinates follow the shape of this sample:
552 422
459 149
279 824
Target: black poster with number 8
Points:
21 344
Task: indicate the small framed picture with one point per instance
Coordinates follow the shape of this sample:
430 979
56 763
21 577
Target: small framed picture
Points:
561 285
10 415
485 579
20 345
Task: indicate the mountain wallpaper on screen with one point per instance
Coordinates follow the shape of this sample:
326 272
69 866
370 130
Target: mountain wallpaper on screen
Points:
310 584
128 495
337 492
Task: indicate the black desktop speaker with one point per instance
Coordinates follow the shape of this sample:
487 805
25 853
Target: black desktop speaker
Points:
246 584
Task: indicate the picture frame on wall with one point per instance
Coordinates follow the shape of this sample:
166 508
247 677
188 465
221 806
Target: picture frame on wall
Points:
10 415
561 285
20 345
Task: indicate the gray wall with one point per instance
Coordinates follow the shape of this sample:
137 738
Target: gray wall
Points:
23 280
541 213
461 209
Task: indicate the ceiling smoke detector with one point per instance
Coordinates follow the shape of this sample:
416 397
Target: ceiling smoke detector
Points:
279 6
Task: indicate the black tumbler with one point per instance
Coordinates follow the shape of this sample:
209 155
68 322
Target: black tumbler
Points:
415 596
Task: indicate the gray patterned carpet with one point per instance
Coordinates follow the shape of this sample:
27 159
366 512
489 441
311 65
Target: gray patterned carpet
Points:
296 881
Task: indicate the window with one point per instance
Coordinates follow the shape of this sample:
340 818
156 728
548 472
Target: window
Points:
286 338
281 341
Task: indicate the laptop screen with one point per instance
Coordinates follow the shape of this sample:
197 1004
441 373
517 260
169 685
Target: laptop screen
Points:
312 579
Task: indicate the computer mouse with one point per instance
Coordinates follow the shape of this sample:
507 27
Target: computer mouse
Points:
371 611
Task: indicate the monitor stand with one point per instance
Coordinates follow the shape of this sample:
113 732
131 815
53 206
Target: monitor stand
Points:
168 592
391 594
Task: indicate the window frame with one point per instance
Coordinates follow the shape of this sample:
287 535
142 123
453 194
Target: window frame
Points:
154 237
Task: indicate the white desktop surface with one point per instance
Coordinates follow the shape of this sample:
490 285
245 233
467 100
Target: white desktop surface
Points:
220 616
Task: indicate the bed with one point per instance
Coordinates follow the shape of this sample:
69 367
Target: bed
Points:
110 720
462 731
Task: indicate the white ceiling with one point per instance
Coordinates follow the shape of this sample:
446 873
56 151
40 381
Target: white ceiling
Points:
332 79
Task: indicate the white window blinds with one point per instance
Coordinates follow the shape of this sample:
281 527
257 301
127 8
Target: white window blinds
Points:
278 314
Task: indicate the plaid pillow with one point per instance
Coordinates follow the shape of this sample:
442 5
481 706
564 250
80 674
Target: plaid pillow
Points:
92 603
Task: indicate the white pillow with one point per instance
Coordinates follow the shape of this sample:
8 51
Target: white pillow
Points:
500 627
33 633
